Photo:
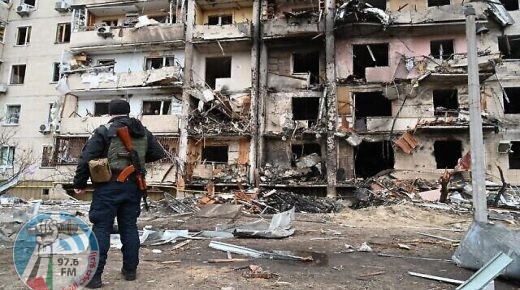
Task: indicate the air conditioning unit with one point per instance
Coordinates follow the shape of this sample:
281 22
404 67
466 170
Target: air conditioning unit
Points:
3 88
504 147
23 9
62 7
104 31
45 128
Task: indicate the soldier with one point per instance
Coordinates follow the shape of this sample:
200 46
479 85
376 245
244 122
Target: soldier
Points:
118 192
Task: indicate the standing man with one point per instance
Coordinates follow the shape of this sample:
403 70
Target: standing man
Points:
120 196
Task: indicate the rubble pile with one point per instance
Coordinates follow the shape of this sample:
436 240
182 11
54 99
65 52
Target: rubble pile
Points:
307 170
218 113
279 201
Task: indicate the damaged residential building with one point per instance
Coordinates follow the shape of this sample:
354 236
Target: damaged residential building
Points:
306 95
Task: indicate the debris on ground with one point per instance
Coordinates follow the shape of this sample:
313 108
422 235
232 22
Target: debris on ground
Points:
255 271
279 227
277 255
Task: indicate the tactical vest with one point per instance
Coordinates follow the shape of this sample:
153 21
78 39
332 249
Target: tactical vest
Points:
117 154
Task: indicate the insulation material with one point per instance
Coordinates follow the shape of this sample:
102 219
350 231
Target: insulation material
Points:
407 143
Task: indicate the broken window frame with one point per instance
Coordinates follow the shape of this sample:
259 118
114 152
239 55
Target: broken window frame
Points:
7 154
63 32
26 36
97 106
167 61
222 19
388 110
12 115
68 150
110 22
3 27
215 161
56 72
164 105
443 55
306 149
514 155
18 73
307 107
450 112
511 98
442 151
379 61
32 2
47 154
227 59
297 67
509 52
435 3
511 5
387 160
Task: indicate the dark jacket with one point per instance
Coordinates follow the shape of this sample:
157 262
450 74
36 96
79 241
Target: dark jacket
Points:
97 146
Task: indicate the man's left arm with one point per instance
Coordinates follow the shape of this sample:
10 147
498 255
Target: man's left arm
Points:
155 151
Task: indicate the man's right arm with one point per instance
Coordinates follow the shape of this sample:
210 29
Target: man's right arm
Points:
94 148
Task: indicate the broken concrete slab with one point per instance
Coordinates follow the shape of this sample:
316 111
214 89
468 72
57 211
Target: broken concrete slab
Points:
431 195
308 161
483 241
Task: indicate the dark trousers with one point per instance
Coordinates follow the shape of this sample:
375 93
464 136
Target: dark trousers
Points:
121 200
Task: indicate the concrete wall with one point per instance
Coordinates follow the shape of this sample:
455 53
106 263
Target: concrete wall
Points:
38 91
278 108
409 46
240 69
280 62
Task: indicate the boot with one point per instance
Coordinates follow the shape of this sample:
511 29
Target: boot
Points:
129 275
95 282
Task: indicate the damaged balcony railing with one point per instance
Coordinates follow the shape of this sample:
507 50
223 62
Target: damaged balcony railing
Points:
307 23
234 31
85 79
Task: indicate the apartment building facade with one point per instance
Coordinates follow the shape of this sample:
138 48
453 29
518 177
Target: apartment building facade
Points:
297 94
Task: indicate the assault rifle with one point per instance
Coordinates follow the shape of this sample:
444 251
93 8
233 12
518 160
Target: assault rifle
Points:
135 165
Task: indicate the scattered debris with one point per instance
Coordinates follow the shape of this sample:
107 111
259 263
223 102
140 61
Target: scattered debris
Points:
277 255
483 241
255 271
371 274
364 248
436 278
279 227
439 237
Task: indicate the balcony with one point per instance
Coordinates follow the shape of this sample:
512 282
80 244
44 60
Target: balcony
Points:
237 31
412 21
85 125
297 27
95 80
122 38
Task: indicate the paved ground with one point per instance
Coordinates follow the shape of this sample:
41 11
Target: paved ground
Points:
323 236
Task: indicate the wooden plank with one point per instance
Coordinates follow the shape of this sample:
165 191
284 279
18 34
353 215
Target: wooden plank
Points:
344 101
